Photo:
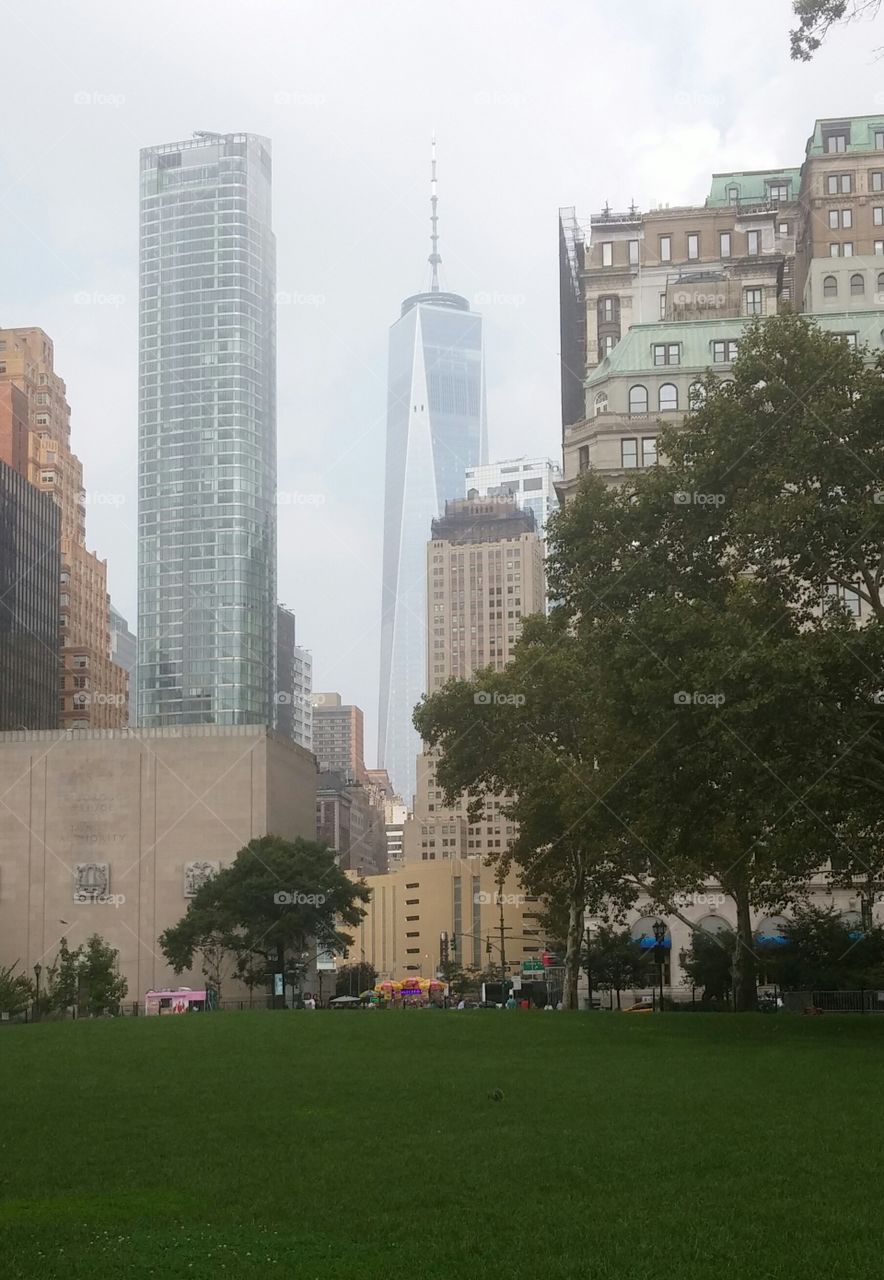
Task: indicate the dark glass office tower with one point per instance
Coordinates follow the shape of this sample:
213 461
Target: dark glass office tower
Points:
207 434
29 605
435 430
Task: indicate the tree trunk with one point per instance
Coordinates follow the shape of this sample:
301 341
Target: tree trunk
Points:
745 985
576 910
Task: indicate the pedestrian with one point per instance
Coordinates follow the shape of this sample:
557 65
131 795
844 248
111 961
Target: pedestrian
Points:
511 1001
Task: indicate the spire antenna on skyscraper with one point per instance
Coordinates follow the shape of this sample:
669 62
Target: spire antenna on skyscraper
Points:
435 257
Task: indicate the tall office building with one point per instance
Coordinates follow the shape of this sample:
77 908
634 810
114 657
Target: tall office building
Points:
29 603
207 434
435 430
35 440
338 735
484 567
294 683
652 302
530 481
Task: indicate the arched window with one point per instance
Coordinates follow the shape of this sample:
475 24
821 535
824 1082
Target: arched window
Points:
638 399
601 403
830 287
668 397
696 395
881 281
857 285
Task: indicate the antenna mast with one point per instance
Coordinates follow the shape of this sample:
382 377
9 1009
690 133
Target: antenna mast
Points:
434 258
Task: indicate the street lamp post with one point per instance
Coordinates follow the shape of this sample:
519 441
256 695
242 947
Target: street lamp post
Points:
38 969
660 953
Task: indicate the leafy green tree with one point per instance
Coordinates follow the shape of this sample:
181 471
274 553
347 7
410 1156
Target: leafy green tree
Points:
353 979
615 962
16 990
817 17
824 952
709 963
267 908
102 987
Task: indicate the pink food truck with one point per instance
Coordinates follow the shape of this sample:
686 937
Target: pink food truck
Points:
184 1000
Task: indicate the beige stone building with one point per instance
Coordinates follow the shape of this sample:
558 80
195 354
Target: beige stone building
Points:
110 832
411 908
93 688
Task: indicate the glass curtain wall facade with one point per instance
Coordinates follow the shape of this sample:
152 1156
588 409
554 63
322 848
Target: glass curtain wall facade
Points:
30 566
207 434
435 430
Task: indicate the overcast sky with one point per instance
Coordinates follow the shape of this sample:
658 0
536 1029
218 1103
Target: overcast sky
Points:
536 104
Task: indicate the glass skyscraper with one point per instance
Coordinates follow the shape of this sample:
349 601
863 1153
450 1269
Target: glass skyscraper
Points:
207 434
435 430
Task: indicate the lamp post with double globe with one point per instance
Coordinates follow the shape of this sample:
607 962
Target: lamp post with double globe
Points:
660 954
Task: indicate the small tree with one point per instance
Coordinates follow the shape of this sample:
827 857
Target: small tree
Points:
824 952
353 979
709 962
615 961
16 990
86 979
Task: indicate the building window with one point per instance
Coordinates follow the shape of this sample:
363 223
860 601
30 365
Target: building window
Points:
696 395
878 215
847 249
784 228
839 184
851 340
881 281
754 302
835 143
724 244
649 451
879 247
879 139
693 245
668 398
834 251
633 253
857 285
753 243
601 403
724 351
629 454
830 286
609 310
638 399
607 254
876 181
607 345
733 195
583 458
666 248
666 353
778 191
662 306
834 222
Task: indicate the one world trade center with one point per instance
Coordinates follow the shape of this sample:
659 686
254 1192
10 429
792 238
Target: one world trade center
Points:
435 430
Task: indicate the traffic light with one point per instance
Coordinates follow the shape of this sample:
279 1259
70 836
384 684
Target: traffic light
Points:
443 948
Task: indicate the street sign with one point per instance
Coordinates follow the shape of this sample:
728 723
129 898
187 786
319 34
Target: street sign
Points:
532 966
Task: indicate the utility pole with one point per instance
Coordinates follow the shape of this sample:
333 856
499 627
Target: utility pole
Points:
502 947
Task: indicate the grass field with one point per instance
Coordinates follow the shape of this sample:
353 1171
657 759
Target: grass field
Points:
357 1145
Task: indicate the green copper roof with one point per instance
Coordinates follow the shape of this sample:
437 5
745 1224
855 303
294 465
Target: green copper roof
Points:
752 184
862 133
633 354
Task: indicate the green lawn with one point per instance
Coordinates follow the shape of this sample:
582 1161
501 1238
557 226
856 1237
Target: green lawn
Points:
366 1145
